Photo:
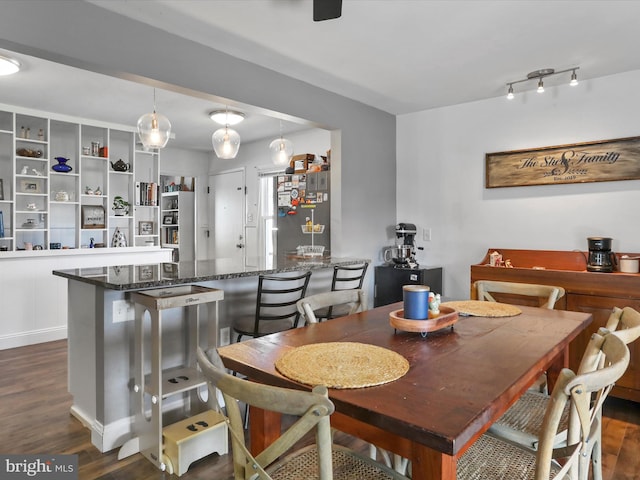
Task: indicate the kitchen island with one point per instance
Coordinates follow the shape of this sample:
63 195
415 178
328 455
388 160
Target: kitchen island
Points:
100 326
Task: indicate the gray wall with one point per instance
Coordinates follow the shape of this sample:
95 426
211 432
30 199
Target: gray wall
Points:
86 36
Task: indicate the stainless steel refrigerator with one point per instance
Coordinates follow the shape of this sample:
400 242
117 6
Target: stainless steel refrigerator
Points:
303 204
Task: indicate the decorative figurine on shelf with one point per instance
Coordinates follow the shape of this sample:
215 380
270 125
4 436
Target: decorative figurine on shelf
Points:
91 244
118 240
41 135
24 171
88 191
434 302
97 191
37 173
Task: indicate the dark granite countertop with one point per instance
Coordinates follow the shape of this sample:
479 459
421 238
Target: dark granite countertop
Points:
139 277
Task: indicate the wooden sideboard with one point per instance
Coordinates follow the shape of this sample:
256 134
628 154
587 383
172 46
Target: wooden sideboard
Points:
593 292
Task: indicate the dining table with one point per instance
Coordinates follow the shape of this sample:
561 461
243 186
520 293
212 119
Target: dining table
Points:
460 379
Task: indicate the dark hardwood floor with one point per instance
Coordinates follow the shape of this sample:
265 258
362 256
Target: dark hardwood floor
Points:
35 418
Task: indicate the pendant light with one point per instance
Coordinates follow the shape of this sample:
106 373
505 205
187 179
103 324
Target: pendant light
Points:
226 143
281 150
154 128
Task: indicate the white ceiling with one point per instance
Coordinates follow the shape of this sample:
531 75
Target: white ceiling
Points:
79 93
400 56
409 55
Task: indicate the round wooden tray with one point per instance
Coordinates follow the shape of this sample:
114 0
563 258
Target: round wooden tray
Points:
446 318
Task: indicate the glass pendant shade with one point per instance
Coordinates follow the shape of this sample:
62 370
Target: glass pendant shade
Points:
154 130
226 143
281 151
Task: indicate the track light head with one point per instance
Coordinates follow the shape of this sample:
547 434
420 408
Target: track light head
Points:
574 79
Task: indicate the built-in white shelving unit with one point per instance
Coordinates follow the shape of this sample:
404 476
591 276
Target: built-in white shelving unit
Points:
45 209
178 223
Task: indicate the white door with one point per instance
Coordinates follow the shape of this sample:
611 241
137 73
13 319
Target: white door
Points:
227 199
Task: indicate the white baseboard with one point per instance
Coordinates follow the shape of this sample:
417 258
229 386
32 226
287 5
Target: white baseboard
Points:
33 337
115 434
105 437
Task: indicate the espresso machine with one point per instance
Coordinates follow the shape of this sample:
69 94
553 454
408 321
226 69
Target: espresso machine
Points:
601 258
403 254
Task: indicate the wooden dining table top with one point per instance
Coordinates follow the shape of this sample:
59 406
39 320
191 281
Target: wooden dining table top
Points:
460 379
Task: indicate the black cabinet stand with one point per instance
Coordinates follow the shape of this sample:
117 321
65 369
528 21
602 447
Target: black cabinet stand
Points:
389 281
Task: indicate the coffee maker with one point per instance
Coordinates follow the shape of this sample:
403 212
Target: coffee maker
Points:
403 254
601 258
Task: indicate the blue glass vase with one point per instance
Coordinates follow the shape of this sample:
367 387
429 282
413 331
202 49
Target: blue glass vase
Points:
62 166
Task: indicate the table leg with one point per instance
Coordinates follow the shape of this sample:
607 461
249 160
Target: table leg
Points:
561 361
428 464
264 428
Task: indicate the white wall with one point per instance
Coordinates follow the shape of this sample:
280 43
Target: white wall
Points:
440 175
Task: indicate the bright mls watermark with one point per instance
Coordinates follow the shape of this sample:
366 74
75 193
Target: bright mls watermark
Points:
51 467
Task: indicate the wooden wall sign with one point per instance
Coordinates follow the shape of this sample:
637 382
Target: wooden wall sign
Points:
602 161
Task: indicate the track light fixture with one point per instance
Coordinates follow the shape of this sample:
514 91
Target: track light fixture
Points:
539 75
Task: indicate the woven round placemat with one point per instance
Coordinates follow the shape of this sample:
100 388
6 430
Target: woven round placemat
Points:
342 365
479 308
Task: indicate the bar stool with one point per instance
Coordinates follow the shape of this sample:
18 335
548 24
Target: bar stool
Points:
205 431
345 277
275 305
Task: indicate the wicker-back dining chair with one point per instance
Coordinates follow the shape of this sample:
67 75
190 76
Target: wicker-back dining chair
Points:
494 458
544 296
522 423
321 460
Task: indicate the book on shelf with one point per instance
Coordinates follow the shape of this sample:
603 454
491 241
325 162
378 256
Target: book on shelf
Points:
146 194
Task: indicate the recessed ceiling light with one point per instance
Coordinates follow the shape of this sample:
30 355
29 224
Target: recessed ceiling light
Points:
226 117
8 65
